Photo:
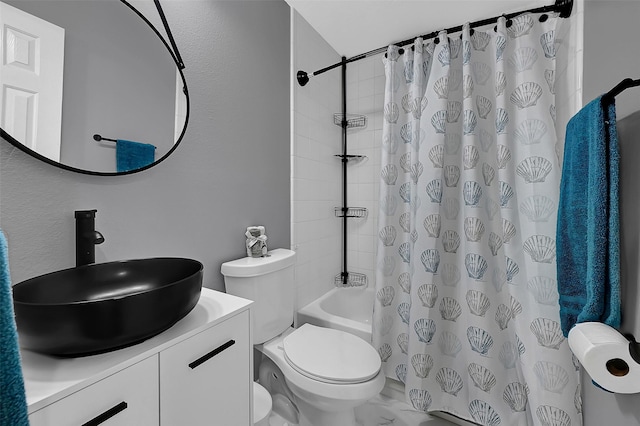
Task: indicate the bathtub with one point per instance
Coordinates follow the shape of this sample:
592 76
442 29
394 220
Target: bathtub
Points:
346 309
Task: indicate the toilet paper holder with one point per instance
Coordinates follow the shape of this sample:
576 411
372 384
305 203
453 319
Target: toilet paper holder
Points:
610 357
634 347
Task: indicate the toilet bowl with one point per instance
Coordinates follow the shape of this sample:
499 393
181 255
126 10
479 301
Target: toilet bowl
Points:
327 372
262 404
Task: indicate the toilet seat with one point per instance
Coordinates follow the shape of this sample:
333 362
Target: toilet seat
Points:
330 356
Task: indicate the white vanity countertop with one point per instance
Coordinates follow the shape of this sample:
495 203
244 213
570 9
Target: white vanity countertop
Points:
48 379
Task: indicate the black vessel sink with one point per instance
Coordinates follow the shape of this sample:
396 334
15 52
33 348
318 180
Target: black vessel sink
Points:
102 307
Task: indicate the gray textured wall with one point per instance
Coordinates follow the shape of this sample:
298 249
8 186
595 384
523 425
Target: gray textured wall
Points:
231 170
612 53
611 50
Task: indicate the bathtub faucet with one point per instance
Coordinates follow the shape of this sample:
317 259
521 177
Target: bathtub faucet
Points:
86 237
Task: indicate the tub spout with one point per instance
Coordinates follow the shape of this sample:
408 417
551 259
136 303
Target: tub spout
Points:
86 237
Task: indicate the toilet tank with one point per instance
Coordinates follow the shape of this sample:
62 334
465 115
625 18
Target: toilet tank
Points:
268 282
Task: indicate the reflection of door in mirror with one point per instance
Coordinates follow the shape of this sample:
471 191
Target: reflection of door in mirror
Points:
181 107
31 73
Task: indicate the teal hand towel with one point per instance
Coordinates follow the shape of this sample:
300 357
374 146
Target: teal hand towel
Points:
588 227
132 155
13 405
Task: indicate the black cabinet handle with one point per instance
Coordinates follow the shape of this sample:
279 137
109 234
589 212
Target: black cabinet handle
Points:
107 414
216 351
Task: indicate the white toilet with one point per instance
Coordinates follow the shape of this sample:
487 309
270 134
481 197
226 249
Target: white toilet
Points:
262 404
329 372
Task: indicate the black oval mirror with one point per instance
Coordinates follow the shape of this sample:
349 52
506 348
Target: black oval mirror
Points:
87 88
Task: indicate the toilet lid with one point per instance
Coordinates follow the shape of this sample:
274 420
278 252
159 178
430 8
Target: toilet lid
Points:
331 356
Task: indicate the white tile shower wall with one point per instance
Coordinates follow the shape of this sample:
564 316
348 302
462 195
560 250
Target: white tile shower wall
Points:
365 96
315 171
568 76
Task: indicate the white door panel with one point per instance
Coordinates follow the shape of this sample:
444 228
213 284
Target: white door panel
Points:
31 75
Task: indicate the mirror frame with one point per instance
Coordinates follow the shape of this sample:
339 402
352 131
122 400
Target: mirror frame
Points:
179 65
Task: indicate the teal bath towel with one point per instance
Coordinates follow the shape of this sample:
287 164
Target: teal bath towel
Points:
133 155
13 405
588 227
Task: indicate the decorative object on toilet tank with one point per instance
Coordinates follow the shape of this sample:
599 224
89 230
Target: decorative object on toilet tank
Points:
256 241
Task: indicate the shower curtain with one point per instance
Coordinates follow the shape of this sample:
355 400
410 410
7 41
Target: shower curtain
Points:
466 314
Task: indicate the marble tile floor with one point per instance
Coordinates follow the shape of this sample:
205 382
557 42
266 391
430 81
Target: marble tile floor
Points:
381 411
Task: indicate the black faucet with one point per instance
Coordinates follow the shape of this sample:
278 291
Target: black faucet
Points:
86 237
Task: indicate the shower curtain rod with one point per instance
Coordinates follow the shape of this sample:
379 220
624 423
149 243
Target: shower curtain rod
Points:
563 7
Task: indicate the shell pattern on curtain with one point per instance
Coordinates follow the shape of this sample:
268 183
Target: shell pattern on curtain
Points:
466 311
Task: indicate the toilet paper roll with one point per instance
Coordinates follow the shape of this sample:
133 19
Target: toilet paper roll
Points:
604 354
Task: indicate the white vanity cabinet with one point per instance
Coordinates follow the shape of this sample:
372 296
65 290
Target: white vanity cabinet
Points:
128 397
204 381
199 372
